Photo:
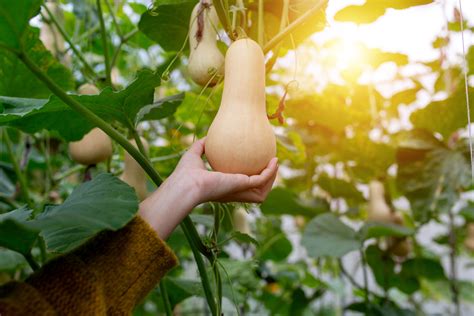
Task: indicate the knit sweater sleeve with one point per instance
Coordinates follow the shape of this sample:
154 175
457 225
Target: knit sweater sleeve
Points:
108 275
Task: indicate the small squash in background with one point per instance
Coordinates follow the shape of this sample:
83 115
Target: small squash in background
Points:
469 241
241 139
378 209
206 62
133 174
95 146
240 220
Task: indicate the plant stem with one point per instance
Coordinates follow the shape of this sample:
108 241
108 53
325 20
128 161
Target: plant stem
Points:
187 225
366 280
166 299
123 40
453 282
138 141
93 118
108 79
76 51
16 167
67 173
348 275
202 271
290 28
261 30
224 18
31 261
114 20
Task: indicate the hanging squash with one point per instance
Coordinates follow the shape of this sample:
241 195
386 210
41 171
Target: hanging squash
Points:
378 209
95 146
469 241
133 174
206 62
241 139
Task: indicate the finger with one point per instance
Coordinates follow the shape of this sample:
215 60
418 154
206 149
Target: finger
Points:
197 147
267 173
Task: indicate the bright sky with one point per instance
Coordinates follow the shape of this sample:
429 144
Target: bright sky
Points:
409 31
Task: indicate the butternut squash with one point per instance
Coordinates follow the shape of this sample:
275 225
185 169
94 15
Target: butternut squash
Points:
95 146
469 241
240 219
49 34
133 174
241 139
378 209
206 62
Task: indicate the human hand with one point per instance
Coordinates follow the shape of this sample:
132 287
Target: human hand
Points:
223 187
191 184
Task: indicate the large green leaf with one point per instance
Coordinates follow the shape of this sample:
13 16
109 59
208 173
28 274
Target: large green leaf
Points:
11 260
382 266
14 18
167 23
32 115
327 235
431 176
105 203
283 201
445 116
17 80
181 289
377 230
15 233
160 109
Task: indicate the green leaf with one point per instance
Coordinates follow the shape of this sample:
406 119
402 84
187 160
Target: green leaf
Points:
468 212
15 233
17 80
31 115
326 235
181 289
420 267
7 188
105 203
172 16
382 266
14 21
160 109
431 179
445 116
283 201
338 188
377 230
245 238
11 260
276 247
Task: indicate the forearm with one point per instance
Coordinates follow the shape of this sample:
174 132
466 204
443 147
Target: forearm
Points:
169 205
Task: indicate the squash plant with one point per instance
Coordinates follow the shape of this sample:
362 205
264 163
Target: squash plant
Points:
345 227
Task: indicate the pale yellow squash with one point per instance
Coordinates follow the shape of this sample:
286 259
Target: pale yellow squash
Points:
241 139
378 209
133 174
240 219
469 241
95 146
206 62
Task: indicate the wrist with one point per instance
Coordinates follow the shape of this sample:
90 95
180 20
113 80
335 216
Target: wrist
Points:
168 205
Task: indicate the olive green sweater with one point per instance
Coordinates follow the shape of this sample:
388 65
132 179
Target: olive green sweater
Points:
107 276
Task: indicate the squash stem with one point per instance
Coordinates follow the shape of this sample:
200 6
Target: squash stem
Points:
261 30
291 27
187 225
